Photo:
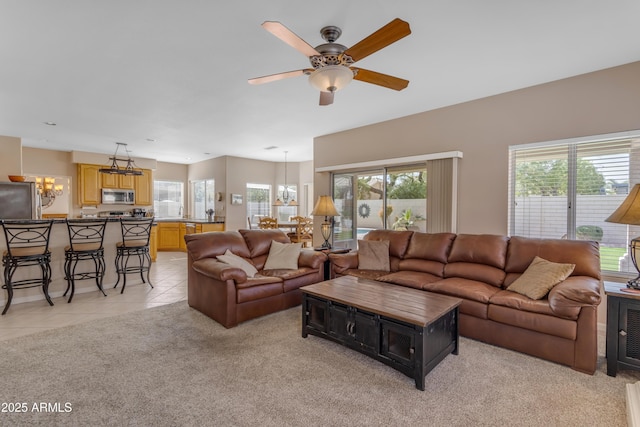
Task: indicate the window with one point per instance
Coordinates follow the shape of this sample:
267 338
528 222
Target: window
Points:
258 201
203 196
566 189
168 199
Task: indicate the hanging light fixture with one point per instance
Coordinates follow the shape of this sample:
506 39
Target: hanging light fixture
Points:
115 169
285 192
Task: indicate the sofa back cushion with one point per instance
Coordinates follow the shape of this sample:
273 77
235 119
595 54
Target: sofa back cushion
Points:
398 243
521 251
427 253
479 257
259 241
210 245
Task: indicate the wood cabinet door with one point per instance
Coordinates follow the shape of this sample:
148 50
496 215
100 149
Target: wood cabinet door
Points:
88 184
144 188
168 236
153 243
212 227
109 180
126 182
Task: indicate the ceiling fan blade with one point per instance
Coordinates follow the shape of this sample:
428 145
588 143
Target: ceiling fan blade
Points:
326 98
380 79
290 38
279 76
390 33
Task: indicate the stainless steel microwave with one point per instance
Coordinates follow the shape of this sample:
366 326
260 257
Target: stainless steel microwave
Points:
111 196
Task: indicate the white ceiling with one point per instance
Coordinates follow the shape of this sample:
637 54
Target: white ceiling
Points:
175 71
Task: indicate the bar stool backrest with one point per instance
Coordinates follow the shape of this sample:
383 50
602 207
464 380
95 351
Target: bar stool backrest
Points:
136 232
86 235
26 238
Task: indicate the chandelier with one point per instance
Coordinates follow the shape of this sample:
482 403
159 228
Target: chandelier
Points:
285 193
128 169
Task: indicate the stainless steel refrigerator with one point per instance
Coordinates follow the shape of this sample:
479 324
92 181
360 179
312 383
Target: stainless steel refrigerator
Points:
19 200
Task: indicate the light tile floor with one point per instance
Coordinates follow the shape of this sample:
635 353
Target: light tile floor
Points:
168 276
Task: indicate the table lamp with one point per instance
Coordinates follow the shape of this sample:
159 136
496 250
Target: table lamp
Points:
325 207
629 213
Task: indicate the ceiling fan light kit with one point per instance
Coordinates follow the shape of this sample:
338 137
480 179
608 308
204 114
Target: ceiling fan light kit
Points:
331 78
332 61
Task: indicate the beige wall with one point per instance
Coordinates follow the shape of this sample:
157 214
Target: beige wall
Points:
11 158
602 102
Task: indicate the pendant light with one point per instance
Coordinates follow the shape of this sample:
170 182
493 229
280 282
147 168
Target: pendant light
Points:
115 169
285 193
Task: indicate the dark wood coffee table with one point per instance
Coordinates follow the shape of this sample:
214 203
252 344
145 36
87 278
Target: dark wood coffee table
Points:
408 329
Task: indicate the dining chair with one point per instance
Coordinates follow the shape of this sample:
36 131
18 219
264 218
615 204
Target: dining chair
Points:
303 232
268 223
27 246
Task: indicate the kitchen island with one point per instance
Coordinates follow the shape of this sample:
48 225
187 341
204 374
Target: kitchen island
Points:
58 240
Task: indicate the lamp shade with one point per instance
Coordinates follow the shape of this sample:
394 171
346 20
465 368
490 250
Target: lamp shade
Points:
331 78
629 211
325 207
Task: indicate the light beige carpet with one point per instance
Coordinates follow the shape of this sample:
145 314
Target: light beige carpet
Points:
173 366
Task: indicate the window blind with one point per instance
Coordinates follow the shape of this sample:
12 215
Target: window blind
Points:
567 190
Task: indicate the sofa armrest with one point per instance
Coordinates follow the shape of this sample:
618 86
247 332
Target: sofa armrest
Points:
311 259
574 293
218 270
343 262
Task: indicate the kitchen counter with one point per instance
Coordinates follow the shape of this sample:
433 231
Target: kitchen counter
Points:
184 220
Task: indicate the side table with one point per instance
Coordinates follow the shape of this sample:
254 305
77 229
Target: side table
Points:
623 328
327 263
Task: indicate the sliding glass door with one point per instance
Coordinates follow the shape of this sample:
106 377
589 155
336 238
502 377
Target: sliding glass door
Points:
389 198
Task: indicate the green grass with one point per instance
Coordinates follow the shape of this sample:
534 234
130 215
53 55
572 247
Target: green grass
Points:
609 257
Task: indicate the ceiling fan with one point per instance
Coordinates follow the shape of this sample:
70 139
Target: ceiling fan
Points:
332 62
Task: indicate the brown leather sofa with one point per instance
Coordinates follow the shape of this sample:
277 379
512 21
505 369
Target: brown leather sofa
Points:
226 294
561 327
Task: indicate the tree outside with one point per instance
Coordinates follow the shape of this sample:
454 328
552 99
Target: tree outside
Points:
549 178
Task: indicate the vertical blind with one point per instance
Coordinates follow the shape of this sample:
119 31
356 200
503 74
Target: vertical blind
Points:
567 190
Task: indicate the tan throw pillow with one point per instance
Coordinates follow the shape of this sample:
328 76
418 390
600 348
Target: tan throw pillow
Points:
283 256
237 261
373 255
538 279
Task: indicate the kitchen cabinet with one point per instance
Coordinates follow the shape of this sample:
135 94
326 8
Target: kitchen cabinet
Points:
168 236
211 227
88 184
144 188
153 243
125 182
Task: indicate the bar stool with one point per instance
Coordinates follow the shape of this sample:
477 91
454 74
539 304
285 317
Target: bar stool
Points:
85 244
135 244
27 246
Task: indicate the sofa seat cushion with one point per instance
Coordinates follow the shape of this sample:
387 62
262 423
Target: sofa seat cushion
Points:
411 279
365 274
286 274
463 288
521 302
538 322
257 288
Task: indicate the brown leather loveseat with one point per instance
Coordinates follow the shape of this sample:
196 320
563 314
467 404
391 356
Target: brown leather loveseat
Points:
560 327
226 294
